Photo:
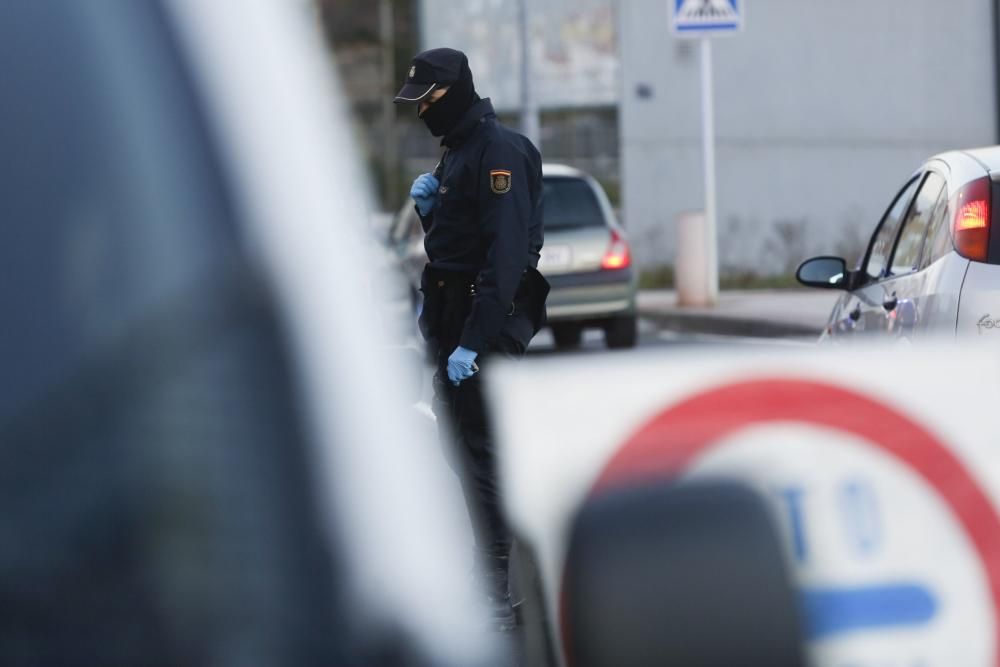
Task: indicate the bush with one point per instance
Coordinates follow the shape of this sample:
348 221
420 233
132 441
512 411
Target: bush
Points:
659 277
662 277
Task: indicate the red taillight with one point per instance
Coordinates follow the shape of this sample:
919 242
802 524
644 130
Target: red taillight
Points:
971 228
617 255
971 216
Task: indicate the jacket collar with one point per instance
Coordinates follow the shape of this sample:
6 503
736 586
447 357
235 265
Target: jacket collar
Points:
468 123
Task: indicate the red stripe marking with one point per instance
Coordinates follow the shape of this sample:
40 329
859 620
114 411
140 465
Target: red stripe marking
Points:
666 445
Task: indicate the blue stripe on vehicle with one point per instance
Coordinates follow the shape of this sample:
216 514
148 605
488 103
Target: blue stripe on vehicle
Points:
832 611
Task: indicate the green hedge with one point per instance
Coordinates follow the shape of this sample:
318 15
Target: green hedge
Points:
662 277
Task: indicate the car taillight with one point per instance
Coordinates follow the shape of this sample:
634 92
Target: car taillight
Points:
971 228
617 255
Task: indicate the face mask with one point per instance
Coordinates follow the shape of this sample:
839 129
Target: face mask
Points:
442 116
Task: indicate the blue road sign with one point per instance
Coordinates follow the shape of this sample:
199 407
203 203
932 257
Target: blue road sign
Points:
704 17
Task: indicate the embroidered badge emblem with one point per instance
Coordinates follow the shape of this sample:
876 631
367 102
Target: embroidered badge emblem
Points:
499 181
413 70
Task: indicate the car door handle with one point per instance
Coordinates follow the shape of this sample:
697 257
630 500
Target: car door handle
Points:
890 304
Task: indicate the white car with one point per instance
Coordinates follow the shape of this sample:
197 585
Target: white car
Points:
932 266
205 449
587 261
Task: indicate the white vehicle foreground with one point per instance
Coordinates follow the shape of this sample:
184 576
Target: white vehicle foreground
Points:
881 484
206 453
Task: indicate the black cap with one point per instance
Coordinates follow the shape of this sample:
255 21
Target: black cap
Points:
432 69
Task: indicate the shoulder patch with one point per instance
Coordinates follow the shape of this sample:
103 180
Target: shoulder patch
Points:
499 181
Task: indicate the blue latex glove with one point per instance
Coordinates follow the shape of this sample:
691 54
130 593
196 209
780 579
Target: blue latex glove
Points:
424 192
461 365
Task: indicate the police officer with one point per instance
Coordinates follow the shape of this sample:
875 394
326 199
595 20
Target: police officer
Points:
481 210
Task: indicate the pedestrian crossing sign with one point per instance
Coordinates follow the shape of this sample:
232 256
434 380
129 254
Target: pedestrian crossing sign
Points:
699 18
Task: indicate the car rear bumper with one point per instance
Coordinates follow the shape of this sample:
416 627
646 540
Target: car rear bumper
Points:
596 294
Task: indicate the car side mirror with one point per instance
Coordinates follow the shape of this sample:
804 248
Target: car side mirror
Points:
824 272
688 573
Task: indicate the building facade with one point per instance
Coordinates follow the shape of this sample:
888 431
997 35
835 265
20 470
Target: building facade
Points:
822 111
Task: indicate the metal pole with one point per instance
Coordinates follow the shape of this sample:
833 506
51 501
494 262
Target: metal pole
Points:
390 150
530 124
710 248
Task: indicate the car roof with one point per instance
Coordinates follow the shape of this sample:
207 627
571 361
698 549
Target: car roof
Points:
987 156
555 169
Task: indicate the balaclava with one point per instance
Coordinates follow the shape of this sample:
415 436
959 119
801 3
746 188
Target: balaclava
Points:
442 116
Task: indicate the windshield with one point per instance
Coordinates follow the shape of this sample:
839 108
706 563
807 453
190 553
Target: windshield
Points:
570 202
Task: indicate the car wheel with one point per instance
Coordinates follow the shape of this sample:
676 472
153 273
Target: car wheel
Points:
621 332
567 336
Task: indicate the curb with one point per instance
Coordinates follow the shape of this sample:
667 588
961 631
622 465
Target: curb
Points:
707 323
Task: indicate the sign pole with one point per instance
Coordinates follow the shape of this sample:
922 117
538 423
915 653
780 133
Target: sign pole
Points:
710 245
697 265
530 122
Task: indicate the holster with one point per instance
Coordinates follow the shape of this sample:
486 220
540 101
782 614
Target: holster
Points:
531 296
447 304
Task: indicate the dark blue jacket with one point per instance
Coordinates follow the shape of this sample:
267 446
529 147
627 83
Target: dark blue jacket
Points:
487 220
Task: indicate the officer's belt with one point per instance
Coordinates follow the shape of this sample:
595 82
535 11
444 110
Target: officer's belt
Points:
449 281
451 284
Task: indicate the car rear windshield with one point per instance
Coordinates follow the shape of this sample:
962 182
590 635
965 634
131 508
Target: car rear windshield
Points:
570 202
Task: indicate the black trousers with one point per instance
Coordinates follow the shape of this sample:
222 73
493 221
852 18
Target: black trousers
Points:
464 419
468 434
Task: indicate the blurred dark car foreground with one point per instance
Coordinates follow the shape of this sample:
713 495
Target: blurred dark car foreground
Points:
194 460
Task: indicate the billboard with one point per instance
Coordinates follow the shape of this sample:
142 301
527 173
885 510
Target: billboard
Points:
573 46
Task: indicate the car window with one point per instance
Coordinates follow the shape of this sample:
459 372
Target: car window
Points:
911 239
939 234
882 242
570 202
109 204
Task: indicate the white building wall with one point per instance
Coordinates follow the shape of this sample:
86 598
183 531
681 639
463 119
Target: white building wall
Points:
823 108
573 50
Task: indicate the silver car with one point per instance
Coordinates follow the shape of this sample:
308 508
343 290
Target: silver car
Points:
931 266
586 259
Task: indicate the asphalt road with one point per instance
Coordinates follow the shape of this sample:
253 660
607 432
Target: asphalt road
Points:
652 336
